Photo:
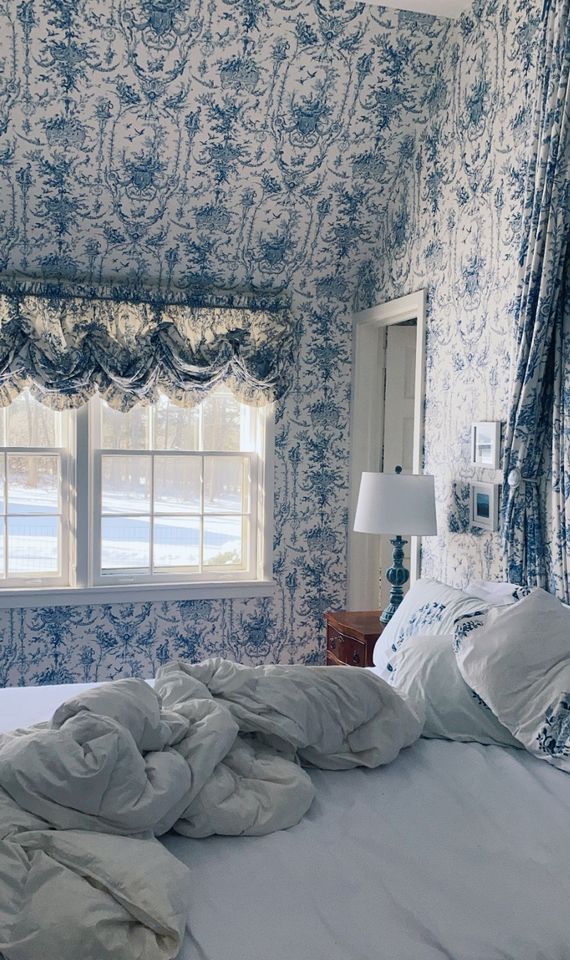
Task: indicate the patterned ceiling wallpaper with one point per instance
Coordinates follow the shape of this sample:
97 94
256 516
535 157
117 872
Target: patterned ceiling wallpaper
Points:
347 152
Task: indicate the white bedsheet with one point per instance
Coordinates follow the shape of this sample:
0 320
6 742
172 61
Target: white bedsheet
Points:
453 852
22 706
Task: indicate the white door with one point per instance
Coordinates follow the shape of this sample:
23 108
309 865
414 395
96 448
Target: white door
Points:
400 360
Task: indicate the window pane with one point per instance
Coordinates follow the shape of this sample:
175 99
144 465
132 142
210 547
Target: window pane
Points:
33 483
33 546
2 483
176 428
31 424
225 483
2 549
177 484
221 421
125 484
176 542
124 431
125 543
174 510
223 542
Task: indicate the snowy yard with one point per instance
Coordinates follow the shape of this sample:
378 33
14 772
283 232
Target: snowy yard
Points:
33 538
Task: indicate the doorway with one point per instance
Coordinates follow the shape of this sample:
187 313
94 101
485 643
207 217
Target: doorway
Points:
386 428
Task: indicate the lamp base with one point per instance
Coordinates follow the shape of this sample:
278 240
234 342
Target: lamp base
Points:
389 611
397 576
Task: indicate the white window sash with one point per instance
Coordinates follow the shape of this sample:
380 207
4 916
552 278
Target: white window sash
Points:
80 580
188 574
45 579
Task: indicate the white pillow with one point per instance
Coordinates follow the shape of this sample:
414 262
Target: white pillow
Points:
517 658
425 671
495 593
429 607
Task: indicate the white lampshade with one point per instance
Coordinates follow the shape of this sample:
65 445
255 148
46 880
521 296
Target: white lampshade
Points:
396 503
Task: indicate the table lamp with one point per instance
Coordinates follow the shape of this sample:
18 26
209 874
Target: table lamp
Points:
396 503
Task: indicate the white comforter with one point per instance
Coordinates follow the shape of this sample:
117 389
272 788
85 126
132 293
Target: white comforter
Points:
214 748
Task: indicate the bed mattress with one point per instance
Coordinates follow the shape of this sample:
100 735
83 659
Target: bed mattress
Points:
454 851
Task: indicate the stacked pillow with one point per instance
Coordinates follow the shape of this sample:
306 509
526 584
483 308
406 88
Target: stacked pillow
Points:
429 607
517 659
496 594
414 653
427 673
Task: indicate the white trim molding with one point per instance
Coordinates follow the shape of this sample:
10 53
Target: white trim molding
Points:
435 8
367 419
134 593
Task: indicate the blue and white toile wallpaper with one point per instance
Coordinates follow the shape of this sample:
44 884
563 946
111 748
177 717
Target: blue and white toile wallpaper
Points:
346 152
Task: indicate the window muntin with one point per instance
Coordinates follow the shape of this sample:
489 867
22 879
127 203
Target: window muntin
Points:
219 423
175 513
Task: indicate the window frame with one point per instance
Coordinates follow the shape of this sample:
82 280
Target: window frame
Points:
130 575
82 586
45 580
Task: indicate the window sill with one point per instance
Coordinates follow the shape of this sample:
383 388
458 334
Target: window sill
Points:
133 593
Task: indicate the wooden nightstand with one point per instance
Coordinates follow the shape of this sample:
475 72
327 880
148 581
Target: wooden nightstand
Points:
351 636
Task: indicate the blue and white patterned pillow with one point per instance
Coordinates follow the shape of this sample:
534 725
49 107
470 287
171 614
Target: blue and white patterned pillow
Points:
465 624
517 659
422 621
554 738
429 607
425 671
496 593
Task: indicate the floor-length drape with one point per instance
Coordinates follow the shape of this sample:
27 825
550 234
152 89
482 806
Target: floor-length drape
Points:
535 516
558 506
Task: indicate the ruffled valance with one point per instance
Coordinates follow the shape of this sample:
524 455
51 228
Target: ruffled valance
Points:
64 344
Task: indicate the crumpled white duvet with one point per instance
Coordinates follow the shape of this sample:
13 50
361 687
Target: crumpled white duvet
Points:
214 748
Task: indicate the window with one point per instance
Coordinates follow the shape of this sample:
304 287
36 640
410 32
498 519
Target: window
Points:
158 496
34 494
175 491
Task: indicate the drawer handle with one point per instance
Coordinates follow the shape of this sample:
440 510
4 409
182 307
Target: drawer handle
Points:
355 656
333 643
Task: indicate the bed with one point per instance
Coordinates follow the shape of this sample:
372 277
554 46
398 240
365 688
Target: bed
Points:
455 850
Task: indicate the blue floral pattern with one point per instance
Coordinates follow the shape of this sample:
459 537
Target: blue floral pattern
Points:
425 618
521 592
536 522
480 701
421 621
345 153
554 738
464 625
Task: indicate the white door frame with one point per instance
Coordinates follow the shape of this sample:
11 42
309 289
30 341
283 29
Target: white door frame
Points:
367 422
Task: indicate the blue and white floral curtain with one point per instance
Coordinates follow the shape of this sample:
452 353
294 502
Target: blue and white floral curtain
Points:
558 505
536 499
64 344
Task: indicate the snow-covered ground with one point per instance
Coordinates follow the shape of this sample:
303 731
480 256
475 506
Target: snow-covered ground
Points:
33 539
